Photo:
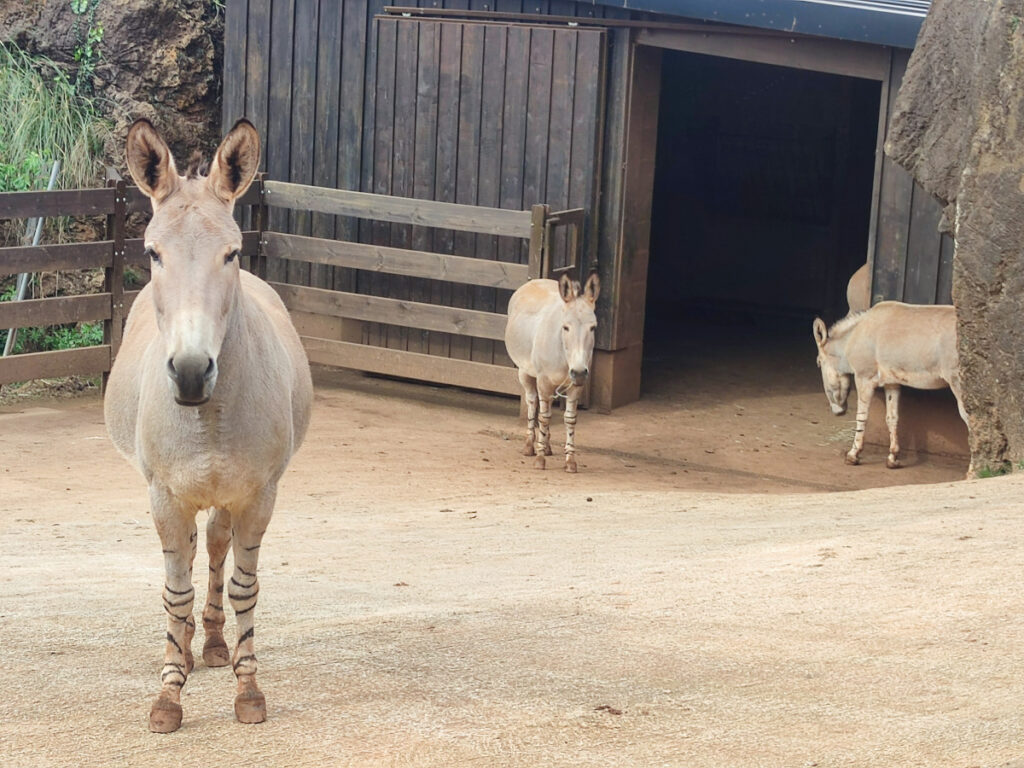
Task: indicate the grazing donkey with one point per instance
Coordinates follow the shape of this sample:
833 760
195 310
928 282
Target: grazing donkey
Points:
209 397
550 338
890 345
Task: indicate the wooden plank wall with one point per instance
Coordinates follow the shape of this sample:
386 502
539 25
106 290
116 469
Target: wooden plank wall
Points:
418 109
913 261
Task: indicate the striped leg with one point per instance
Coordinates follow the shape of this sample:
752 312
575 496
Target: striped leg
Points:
892 407
570 429
247 534
177 529
218 539
530 394
865 391
542 446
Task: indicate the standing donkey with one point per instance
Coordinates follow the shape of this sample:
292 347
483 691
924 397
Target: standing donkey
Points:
890 345
209 397
550 338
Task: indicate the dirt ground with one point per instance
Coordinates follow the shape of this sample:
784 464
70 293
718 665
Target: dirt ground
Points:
714 588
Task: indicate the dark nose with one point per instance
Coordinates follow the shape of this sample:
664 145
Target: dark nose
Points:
191 375
579 375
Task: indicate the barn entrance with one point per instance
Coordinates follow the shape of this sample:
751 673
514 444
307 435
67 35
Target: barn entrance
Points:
760 213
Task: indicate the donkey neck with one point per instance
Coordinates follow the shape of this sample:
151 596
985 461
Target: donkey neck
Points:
838 337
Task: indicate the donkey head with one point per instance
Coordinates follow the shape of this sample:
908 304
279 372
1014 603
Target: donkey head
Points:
578 324
193 245
837 384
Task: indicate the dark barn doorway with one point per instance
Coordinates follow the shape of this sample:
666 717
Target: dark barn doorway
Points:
760 213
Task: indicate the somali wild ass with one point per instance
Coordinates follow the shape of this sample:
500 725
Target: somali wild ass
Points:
858 290
890 345
550 338
209 397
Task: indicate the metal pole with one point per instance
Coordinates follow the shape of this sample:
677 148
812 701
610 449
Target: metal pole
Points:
23 278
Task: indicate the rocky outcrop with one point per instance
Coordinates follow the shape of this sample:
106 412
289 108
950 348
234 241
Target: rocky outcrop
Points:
958 127
159 59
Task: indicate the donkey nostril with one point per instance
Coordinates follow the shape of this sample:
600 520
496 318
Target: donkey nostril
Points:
209 368
171 370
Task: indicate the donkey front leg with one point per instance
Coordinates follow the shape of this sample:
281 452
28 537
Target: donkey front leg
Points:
892 406
176 526
542 446
248 527
218 539
530 395
865 391
571 402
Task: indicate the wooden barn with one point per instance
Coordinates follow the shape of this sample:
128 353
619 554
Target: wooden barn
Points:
706 157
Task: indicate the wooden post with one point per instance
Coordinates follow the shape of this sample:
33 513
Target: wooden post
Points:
260 220
113 276
538 222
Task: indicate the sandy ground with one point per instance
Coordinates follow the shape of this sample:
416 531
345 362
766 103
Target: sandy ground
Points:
714 588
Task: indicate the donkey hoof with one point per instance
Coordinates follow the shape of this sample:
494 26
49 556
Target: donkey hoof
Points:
547 450
215 652
528 450
251 706
165 715
539 462
570 465
892 462
852 459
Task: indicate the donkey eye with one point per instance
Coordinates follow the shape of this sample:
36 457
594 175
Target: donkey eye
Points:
565 327
593 328
152 255
231 256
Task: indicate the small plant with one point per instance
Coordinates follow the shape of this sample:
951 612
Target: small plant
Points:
54 337
88 35
1002 469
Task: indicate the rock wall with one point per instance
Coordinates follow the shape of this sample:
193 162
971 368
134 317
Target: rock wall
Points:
958 127
159 59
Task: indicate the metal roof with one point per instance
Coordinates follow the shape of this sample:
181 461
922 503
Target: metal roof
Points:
882 22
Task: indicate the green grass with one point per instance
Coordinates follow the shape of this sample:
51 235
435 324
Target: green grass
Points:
45 118
53 337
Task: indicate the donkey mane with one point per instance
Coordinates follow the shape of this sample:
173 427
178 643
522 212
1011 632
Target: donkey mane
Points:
846 324
198 166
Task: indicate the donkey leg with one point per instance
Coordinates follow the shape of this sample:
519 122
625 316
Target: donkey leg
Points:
176 526
247 534
865 391
530 394
954 384
543 444
218 539
570 429
892 407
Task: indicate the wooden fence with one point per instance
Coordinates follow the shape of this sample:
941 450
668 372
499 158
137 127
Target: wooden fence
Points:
329 321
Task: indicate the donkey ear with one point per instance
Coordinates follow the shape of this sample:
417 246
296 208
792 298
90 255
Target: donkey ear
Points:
149 161
566 289
592 289
236 161
820 331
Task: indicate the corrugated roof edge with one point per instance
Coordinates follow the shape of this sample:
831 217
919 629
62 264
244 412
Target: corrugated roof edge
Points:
881 22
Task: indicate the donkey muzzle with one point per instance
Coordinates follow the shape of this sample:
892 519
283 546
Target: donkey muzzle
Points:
193 377
579 377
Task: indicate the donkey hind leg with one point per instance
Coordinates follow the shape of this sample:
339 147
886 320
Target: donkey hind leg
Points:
570 429
530 395
892 407
177 529
247 531
218 539
865 391
542 447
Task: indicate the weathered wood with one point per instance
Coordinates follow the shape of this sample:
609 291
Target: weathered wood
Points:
61 202
412 365
48 365
326 147
235 55
396 261
383 161
257 71
31 313
279 113
560 137
43 258
113 276
428 213
397 312
924 248
513 134
303 117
